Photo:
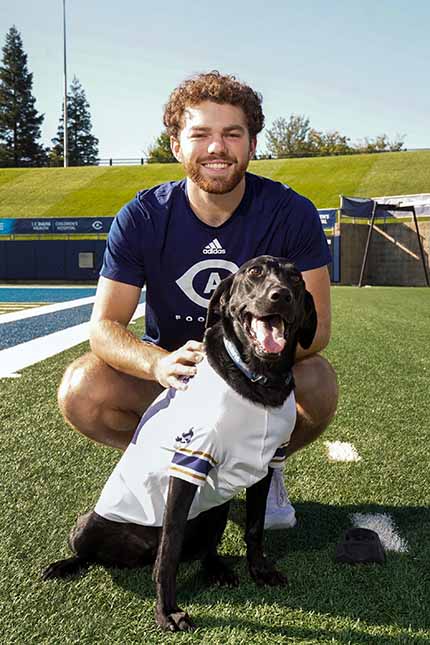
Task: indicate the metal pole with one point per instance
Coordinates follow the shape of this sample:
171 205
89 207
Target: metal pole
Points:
66 147
426 273
366 250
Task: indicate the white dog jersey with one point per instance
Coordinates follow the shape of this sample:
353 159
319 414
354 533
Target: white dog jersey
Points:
208 435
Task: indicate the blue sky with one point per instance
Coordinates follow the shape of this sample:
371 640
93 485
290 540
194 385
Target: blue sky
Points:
359 67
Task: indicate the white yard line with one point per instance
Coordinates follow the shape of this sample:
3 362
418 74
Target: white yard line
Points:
45 309
51 287
14 359
33 351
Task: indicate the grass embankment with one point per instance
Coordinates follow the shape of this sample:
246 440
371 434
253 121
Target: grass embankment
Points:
50 474
75 192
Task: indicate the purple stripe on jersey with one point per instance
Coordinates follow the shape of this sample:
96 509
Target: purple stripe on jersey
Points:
154 409
192 462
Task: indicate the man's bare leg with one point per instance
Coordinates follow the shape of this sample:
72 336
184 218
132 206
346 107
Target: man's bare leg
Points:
316 397
103 403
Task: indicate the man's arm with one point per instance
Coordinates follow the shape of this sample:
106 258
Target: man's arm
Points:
318 284
111 341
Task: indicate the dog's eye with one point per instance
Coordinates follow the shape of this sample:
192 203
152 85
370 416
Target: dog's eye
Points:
254 272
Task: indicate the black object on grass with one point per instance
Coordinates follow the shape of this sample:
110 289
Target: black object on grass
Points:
360 546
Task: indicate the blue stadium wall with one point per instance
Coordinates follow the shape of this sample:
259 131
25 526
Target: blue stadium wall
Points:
62 249
52 249
49 260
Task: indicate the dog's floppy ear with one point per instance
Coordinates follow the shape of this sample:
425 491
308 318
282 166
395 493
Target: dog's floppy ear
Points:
219 297
308 328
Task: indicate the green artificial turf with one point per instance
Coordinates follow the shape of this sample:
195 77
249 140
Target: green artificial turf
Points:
49 474
99 191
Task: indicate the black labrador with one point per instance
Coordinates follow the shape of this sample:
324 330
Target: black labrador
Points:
255 319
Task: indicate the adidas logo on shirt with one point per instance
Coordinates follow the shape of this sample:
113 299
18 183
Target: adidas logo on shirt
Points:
214 248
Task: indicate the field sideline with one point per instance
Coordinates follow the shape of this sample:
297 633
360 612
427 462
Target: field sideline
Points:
50 474
101 191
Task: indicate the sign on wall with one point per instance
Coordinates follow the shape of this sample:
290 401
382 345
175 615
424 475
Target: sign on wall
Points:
58 226
327 217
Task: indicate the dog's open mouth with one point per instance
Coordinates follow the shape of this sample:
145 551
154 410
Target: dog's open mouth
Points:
268 333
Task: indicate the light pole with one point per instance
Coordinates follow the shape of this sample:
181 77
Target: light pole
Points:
66 147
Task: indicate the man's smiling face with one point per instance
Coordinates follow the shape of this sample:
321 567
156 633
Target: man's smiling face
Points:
214 146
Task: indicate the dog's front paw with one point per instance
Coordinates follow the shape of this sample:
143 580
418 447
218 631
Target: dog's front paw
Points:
177 621
264 573
63 568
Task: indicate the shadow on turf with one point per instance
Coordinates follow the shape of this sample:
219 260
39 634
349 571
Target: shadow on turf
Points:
392 594
301 634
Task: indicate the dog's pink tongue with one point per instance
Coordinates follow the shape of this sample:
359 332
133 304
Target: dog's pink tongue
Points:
269 335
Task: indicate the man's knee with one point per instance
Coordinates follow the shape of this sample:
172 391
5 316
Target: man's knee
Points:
101 402
316 388
77 394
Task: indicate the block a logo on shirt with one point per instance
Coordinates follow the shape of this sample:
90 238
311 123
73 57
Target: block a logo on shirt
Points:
214 248
185 282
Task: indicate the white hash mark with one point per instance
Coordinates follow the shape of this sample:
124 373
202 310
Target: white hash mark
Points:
341 451
383 525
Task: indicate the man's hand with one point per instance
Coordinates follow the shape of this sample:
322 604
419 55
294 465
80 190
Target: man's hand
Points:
174 369
111 341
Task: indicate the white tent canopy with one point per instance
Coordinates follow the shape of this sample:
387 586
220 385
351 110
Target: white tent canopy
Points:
420 202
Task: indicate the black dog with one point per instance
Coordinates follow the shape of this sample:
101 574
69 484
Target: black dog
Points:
255 320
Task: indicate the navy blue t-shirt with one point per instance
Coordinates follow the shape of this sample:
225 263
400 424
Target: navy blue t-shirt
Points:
157 240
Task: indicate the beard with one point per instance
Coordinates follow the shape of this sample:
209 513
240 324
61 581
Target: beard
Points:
215 185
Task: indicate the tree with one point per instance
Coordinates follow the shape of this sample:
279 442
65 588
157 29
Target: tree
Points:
295 137
381 143
82 145
328 143
160 151
288 138
19 121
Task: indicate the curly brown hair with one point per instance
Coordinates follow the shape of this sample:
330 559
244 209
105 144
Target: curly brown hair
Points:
218 88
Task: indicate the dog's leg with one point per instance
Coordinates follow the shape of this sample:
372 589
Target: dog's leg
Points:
65 568
167 613
83 556
215 568
261 570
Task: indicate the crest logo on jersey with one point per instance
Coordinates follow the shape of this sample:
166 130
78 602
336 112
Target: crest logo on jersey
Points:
185 282
185 437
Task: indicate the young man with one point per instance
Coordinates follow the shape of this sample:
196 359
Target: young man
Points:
181 239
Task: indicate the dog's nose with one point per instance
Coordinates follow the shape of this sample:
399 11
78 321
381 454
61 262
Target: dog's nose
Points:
277 294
